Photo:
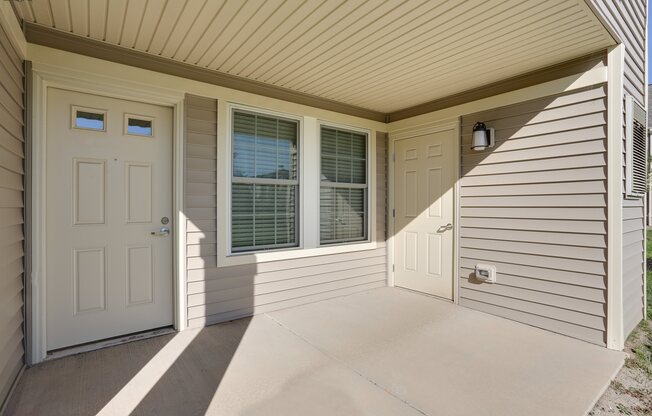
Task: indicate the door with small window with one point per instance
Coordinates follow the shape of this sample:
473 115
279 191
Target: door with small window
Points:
108 218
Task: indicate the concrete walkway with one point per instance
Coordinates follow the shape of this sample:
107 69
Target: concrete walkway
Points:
382 352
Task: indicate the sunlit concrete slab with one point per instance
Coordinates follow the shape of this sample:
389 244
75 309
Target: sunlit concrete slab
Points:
447 360
382 352
246 367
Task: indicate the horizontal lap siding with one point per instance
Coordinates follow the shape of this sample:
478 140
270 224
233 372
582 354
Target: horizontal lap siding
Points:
200 179
11 214
633 263
218 294
628 19
535 207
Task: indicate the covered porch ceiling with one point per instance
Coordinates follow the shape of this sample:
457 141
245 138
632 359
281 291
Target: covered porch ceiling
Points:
378 55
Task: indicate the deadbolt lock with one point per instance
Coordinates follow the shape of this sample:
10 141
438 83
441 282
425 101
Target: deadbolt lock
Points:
165 220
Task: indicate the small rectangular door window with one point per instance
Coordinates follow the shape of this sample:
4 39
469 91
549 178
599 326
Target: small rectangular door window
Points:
139 125
88 119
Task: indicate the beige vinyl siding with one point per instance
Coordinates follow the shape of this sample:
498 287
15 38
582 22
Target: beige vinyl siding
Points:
628 19
200 180
535 207
218 294
633 255
633 263
11 215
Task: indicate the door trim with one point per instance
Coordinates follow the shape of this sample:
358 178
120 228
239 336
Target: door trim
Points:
45 76
444 125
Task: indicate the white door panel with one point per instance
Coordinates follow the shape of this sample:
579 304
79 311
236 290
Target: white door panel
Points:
107 191
424 179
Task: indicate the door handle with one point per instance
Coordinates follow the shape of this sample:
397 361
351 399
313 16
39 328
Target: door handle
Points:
162 232
446 227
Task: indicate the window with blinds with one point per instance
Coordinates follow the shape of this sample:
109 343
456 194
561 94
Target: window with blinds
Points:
264 184
343 193
636 149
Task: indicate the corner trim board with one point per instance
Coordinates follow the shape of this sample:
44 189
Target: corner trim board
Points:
28 198
615 90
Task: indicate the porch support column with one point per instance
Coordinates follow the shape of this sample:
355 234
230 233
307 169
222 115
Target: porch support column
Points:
615 92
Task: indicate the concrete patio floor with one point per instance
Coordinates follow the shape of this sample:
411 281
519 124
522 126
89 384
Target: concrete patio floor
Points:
382 352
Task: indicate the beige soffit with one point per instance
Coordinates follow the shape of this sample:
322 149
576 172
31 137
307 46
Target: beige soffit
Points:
378 55
73 43
572 67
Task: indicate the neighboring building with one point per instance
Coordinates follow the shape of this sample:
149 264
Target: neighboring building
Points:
182 164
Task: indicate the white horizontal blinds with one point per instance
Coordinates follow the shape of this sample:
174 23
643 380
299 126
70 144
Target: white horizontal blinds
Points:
636 148
343 194
265 182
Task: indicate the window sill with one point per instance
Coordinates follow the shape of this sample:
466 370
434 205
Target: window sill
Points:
293 253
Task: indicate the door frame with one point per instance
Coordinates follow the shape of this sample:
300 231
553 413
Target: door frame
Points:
46 76
452 124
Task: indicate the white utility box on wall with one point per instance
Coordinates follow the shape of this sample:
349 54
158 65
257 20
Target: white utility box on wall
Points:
485 273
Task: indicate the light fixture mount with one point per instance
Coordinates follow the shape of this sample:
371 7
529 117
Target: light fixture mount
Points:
483 137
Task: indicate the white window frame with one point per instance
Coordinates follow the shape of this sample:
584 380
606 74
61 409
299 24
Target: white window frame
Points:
368 201
297 220
309 185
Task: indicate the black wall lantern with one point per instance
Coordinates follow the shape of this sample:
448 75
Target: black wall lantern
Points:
483 137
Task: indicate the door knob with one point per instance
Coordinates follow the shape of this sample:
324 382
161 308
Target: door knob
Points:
164 231
446 227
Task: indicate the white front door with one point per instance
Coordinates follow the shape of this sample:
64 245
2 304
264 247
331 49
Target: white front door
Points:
424 178
109 186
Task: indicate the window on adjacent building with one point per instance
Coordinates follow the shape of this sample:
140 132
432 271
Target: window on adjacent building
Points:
264 185
343 194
